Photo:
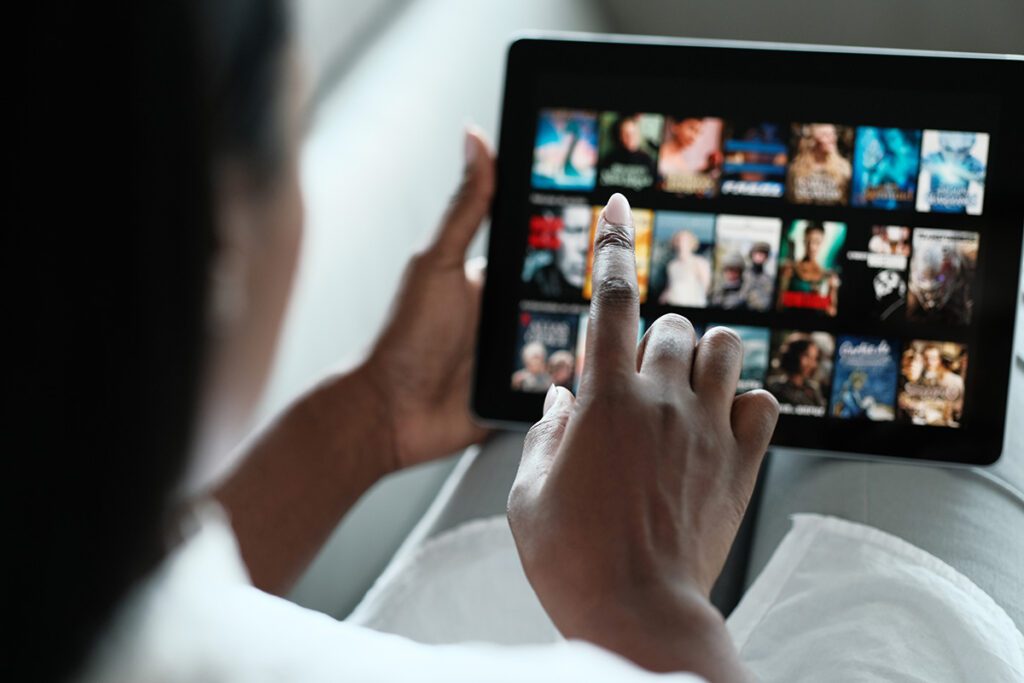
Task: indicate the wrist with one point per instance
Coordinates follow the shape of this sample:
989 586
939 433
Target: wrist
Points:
663 628
353 409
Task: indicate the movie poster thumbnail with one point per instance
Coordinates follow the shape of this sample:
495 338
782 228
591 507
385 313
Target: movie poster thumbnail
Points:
565 151
877 275
555 266
864 383
819 164
952 178
690 158
745 264
932 383
755 356
810 266
581 345
942 266
755 156
681 258
643 220
545 347
629 150
885 164
800 371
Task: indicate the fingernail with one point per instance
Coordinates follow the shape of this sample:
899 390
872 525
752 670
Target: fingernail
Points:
551 398
470 148
616 211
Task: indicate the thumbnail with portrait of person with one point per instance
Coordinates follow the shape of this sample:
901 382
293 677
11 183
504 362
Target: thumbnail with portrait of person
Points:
885 163
581 345
746 259
681 258
642 224
629 150
932 383
545 347
800 371
810 258
755 342
819 164
942 266
755 155
690 158
864 384
565 150
877 276
555 266
952 178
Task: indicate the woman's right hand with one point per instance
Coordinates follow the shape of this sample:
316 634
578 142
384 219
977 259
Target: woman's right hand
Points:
629 496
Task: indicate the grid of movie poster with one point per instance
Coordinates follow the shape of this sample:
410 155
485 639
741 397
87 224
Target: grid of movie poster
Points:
819 163
810 373
819 277
757 264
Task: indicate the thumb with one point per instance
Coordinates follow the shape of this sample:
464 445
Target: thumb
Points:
542 442
471 203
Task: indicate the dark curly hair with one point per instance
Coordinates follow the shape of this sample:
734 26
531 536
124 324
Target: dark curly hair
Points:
790 359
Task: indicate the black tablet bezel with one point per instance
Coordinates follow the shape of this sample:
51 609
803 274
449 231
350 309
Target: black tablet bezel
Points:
603 63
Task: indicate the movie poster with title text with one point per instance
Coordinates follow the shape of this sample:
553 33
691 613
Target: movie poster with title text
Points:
643 220
746 262
953 167
545 347
565 150
629 150
555 264
681 258
755 154
800 371
885 165
864 385
690 157
932 389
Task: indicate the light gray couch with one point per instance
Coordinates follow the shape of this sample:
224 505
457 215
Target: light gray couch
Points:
392 83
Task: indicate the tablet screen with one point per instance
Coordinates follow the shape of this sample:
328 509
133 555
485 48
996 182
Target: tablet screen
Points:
841 232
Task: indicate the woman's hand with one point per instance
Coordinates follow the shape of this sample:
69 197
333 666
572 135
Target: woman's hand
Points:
629 496
409 402
421 367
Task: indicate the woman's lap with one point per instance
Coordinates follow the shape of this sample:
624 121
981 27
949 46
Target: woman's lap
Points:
957 515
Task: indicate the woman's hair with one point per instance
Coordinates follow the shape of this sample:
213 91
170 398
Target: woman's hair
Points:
206 76
790 360
616 129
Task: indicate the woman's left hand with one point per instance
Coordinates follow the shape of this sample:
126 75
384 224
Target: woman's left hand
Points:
422 365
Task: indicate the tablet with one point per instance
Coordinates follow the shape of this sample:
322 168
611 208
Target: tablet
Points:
855 216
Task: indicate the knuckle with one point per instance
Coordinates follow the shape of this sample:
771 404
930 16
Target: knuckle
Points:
540 433
516 499
722 340
674 323
616 291
613 237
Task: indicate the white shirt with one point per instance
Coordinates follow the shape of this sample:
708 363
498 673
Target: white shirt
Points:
837 602
200 619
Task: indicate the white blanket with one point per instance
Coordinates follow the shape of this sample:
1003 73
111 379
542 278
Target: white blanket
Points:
837 602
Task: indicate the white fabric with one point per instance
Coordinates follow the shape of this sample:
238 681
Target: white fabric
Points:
838 602
200 619
470 576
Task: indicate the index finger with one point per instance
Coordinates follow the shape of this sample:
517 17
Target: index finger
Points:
615 304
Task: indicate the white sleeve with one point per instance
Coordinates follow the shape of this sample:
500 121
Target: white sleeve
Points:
198 619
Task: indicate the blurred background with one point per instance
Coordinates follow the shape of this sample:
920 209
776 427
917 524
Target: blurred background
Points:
392 84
